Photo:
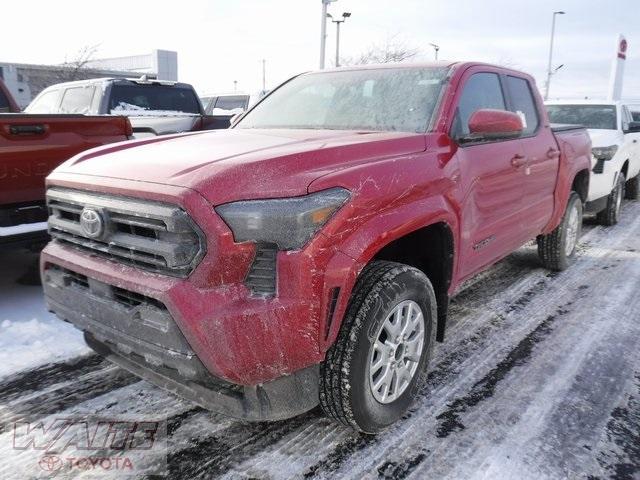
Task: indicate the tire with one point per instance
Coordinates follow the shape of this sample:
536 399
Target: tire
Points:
349 372
557 249
611 214
632 188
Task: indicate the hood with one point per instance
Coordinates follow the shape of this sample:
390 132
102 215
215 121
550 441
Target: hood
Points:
605 138
229 165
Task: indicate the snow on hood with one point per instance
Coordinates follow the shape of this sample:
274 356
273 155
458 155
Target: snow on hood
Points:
227 165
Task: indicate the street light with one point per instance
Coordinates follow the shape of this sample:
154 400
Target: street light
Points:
435 48
345 15
549 72
323 31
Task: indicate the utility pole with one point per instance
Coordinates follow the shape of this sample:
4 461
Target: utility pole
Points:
345 15
549 71
436 48
264 75
323 31
235 85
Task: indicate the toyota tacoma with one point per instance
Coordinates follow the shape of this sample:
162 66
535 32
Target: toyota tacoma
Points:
307 255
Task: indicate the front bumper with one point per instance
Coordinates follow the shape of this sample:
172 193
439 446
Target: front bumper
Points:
138 333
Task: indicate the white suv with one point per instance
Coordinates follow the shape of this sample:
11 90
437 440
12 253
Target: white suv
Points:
615 154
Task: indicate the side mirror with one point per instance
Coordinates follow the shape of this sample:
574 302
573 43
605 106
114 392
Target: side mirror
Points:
634 127
488 124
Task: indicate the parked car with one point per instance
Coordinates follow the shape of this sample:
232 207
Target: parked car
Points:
230 103
31 146
616 152
155 107
307 255
7 102
635 112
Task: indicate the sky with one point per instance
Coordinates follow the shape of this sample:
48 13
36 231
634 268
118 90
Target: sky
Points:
222 41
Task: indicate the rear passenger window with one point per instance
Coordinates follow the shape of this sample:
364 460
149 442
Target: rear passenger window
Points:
46 103
523 103
481 91
77 100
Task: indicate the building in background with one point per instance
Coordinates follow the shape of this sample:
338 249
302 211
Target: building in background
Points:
25 81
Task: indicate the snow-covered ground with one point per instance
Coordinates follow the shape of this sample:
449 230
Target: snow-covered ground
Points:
29 335
539 378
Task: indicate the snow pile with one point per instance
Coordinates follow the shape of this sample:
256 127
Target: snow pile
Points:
30 336
130 110
222 111
29 343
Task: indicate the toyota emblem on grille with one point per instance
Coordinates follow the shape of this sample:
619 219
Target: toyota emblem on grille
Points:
91 222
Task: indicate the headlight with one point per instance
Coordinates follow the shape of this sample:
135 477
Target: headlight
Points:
604 153
288 222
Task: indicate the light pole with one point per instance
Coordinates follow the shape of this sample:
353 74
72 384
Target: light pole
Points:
323 31
549 72
435 49
345 15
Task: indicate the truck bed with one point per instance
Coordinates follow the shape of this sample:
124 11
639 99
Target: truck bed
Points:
31 146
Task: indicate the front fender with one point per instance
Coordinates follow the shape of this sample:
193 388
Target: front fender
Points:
356 247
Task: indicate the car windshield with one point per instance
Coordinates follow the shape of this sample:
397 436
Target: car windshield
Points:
138 99
383 99
590 116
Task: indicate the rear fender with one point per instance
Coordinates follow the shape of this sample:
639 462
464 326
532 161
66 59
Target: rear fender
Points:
572 161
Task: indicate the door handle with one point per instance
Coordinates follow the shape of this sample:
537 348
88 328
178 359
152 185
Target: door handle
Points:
518 161
553 153
27 129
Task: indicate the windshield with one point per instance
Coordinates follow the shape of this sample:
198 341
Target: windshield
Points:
590 116
384 99
138 99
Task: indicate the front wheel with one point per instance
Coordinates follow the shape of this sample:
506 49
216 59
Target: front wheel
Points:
611 214
373 371
557 249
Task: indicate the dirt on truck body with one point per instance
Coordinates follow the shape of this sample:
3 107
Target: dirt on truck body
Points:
307 255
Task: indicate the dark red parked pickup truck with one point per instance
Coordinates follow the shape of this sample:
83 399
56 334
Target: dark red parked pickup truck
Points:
31 146
308 254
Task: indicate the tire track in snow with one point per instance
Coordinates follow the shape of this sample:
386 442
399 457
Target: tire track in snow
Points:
217 453
619 453
65 395
24 383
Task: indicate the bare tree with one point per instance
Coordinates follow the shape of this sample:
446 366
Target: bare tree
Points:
77 68
72 69
392 50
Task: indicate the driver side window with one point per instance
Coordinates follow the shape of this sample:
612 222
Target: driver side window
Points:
482 90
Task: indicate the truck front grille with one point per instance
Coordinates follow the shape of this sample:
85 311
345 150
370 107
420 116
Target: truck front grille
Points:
150 235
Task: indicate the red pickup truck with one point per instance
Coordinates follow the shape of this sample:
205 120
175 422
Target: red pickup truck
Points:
31 146
308 254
